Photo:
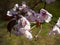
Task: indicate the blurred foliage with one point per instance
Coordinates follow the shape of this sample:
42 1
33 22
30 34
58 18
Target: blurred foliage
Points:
43 38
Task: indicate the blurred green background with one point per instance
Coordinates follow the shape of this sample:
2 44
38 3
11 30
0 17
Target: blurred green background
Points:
43 38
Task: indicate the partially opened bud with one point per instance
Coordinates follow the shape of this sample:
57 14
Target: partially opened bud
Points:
16 5
8 13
